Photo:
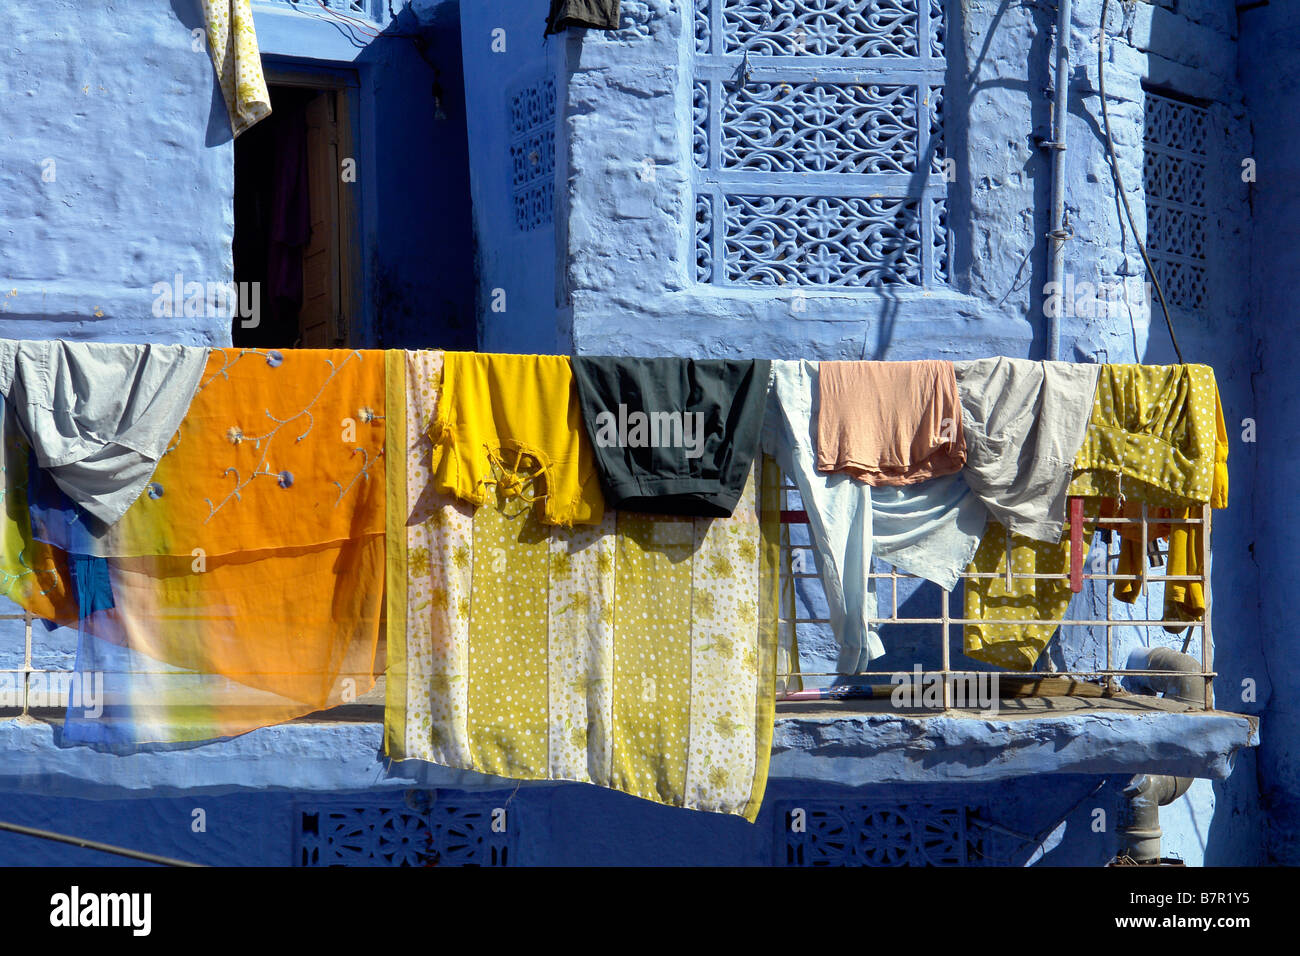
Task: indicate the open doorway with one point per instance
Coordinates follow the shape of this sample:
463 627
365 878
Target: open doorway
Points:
295 240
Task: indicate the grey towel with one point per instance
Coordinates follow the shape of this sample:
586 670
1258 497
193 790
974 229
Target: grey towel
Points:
97 415
1024 423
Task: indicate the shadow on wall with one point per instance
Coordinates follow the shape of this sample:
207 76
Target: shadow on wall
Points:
420 277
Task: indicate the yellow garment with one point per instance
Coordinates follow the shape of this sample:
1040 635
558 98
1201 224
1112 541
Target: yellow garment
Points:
1184 600
232 42
1017 646
511 423
1156 435
637 654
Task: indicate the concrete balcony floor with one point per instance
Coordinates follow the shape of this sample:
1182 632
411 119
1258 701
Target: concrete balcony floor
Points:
845 742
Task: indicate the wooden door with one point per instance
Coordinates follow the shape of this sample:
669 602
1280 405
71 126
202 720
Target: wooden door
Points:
321 320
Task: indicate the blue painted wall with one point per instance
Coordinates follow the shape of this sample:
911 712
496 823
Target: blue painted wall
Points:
123 107
571 825
1269 65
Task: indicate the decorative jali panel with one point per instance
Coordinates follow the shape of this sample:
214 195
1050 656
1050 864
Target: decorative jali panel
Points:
532 154
831 833
1174 175
443 829
818 143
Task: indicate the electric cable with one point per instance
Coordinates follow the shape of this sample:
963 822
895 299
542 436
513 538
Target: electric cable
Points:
94 845
1119 181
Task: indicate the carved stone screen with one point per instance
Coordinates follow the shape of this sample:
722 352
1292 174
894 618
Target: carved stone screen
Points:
818 143
1174 174
831 833
425 829
532 154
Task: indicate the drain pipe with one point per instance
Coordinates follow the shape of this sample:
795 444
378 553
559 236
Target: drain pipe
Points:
1056 234
1139 825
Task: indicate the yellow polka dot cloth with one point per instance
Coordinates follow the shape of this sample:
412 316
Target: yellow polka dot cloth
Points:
232 42
998 639
1157 435
637 654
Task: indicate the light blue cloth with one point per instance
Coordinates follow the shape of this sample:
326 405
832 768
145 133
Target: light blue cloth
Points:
929 529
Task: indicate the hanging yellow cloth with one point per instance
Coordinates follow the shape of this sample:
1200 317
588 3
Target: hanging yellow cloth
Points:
510 425
1156 435
1184 600
637 654
232 43
33 574
1010 645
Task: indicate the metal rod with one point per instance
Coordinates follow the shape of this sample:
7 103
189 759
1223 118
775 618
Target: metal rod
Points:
1056 232
1207 645
947 690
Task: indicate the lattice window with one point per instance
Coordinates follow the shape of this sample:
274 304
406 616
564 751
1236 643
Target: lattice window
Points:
532 154
1174 170
833 833
818 143
441 829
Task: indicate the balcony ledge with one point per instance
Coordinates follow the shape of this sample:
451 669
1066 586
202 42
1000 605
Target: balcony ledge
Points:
847 742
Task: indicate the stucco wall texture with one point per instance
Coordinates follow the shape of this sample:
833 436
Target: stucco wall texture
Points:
124 104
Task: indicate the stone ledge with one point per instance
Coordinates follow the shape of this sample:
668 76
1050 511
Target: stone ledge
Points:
839 742
869 742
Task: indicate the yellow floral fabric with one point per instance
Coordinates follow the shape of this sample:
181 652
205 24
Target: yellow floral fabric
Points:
232 43
511 424
637 653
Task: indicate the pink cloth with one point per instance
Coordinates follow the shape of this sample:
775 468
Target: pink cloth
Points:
890 423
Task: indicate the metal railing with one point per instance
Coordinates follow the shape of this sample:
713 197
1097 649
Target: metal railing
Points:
1076 576
17 681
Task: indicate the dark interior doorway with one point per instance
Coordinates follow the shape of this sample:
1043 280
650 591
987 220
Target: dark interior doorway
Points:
291 241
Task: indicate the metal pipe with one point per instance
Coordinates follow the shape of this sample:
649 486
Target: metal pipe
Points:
1184 682
1056 235
1139 826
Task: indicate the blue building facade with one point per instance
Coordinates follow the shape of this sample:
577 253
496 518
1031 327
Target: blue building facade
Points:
717 178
